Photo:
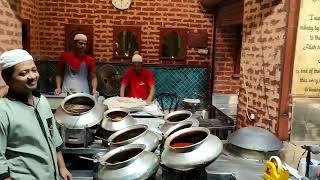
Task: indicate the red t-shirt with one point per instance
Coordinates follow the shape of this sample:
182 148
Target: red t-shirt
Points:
75 61
138 84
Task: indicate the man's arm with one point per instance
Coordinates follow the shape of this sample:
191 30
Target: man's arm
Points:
124 83
151 94
122 89
151 83
59 78
94 84
59 75
62 167
92 69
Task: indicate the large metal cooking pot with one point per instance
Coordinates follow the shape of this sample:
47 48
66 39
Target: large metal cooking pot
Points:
137 134
117 119
128 162
253 143
78 111
190 148
176 117
255 138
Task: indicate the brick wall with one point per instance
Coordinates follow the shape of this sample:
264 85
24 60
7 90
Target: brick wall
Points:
150 15
10 31
264 26
227 40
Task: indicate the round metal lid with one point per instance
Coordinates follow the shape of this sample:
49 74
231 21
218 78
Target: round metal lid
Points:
255 138
79 111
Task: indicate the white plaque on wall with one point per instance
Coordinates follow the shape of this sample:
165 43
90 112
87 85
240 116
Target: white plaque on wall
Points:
306 72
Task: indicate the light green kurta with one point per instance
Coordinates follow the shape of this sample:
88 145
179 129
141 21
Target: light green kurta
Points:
24 148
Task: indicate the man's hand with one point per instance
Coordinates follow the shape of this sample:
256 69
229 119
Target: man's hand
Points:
57 91
149 101
65 174
95 93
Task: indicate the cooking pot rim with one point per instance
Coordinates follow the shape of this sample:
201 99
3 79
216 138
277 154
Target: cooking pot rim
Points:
124 130
116 109
174 128
175 113
75 95
121 149
183 131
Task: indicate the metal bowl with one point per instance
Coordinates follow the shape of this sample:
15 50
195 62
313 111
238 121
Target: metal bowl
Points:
255 138
117 119
128 162
137 134
78 111
190 148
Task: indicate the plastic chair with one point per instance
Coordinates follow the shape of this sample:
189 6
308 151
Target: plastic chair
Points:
170 99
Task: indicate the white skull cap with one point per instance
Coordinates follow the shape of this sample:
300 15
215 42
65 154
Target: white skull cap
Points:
136 58
80 37
13 57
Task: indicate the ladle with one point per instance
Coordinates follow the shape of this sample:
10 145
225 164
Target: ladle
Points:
91 159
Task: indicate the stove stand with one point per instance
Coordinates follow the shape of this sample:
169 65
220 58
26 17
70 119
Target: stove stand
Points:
194 174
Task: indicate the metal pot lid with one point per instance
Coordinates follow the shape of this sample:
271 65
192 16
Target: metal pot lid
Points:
255 138
79 110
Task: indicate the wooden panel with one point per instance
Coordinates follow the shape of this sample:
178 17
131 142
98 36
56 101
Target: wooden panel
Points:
230 13
182 33
116 30
26 34
72 29
287 67
209 4
198 39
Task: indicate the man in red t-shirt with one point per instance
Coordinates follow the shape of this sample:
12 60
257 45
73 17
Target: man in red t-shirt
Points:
139 80
74 67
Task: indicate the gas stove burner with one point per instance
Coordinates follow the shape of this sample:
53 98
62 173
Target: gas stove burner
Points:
78 138
194 174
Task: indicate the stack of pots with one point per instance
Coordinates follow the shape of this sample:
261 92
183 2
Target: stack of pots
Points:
136 134
117 119
185 148
190 148
178 120
186 145
130 147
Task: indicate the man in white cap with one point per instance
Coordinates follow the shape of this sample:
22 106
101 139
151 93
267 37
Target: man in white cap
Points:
140 81
3 86
30 142
73 69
